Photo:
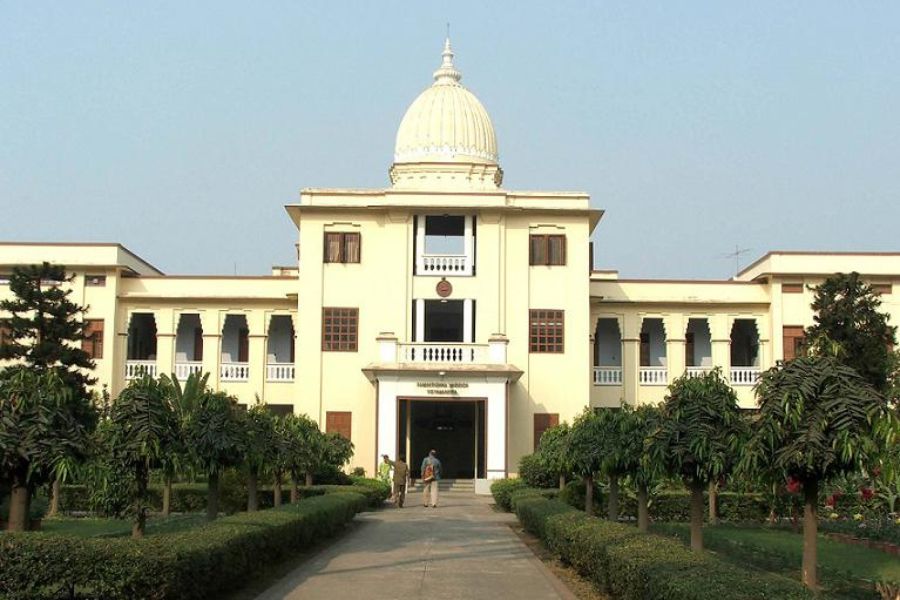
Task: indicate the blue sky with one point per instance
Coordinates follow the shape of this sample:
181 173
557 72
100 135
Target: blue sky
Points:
181 129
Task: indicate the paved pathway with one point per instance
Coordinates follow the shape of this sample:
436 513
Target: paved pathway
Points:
460 550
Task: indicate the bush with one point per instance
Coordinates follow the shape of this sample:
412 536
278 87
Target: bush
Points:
199 563
501 490
630 565
573 495
529 492
534 474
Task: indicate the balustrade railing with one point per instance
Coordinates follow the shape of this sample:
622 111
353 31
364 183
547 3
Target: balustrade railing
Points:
693 372
607 375
445 264
185 369
280 372
653 376
135 369
745 375
234 371
433 352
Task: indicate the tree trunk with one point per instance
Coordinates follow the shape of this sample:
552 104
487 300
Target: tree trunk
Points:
713 503
252 496
309 478
212 497
696 516
140 516
295 490
810 526
643 512
276 490
562 482
54 499
612 512
167 496
19 501
589 494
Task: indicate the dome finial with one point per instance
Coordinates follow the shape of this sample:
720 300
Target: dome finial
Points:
447 73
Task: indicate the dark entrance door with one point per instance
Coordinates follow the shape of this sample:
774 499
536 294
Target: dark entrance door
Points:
455 428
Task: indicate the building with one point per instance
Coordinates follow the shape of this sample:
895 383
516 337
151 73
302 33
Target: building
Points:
486 326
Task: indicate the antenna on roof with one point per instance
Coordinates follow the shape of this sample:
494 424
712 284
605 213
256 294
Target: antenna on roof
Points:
736 255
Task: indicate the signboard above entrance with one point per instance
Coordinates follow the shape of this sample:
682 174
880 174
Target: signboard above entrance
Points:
442 388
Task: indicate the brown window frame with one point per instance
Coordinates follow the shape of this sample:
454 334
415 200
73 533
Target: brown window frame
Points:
341 427
346 320
544 241
543 422
544 338
791 288
882 289
343 237
792 341
92 342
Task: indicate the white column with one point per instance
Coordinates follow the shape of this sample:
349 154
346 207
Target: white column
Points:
469 244
387 419
420 319
420 244
496 429
467 321
387 346
497 347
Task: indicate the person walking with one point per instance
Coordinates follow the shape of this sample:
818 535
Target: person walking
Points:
384 469
401 474
431 474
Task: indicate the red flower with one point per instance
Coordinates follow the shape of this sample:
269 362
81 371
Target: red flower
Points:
866 493
793 485
831 500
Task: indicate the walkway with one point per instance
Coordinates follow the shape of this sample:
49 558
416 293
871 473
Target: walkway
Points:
460 550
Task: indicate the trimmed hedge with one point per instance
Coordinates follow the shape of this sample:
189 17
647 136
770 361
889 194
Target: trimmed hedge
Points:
198 563
630 565
501 490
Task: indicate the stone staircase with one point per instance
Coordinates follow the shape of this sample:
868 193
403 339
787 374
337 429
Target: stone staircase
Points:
466 486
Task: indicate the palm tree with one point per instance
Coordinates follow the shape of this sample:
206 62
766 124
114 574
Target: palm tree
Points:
698 437
184 400
818 419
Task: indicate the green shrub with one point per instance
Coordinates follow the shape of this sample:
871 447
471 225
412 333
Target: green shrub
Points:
501 490
573 495
530 492
533 473
202 562
630 565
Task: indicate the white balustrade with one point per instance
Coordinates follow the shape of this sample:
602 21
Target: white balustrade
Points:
607 375
234 371
280 372
135 369
693 372
434 352
654 376
185 369
745 375
445 264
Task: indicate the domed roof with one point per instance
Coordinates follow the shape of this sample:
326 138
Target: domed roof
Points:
446 123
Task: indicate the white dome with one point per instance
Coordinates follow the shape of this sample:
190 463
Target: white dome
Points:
446 123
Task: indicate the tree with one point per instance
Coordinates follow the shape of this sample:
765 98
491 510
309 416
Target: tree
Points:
818 419
38 434
215 439
849 326
140 428
338 451
305 450
282 447
44 331
698 437
621 444
552 452
259 448
584 452
648 469
184 401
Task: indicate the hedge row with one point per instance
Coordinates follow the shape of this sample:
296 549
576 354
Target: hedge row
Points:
630 565
198 563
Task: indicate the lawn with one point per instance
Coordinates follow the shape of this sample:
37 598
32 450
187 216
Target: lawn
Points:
96 527
846 571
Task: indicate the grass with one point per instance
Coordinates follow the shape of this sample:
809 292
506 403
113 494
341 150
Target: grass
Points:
97 527
845 571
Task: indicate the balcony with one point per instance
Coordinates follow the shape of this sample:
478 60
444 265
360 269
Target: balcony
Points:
135 369
607 375
694 372
653 376
441 352
444 264
280 372
745 375
234 371
184 369
445 245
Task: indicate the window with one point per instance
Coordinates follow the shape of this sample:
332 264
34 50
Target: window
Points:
791 288
645 350
339 423
341 247
95 280
546 331
543 422
92 343
547 250
339 329
881 288
794 338
280 410
689 349
4 278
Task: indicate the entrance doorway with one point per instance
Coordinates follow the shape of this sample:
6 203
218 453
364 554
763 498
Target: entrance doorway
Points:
455 428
